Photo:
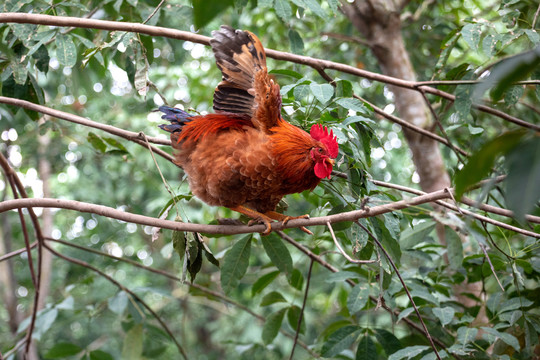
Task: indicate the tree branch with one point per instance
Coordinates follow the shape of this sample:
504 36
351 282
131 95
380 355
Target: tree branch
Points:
278 55
243 229
138 138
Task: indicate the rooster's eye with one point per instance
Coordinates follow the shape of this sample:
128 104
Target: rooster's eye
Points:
320 150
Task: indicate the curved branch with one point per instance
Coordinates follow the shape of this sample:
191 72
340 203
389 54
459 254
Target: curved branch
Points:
465 200
138 138
278 55
216 229
243 229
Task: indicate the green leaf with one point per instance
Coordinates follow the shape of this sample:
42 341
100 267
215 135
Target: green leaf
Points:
20 72
263 282
278 254
272 298
100 355
41 55
286 72
235 264
480 163
523 179
490 334
296 279
388 241
463 102
445 314
118 303
488 45
322 92
416 234
141 76
206 10
454 248
340 340
366 349
358 298
179 243
388 341
272 325
513 304
96 142
300 92
14 5
403 314
353 104
333 5
293 315
195 261
44 322
466 335
209 256
533 36
341 276
62 350
344 89
283 10
316 8
297 44
265 3
507 72
115 143
66 51
513 94
133 343
471 34
408 352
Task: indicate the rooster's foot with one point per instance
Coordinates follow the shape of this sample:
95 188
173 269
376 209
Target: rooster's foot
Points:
285 219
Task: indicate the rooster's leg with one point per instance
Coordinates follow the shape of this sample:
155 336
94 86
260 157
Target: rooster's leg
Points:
285 219
256 216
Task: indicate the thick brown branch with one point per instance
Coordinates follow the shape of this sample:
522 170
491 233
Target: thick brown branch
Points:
242 229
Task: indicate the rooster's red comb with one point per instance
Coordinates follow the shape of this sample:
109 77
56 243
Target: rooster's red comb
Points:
320 133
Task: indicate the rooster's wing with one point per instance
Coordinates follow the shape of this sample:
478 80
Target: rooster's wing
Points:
245 88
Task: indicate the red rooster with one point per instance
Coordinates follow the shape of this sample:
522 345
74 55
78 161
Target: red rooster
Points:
246 156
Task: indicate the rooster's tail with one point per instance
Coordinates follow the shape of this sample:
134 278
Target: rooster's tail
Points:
177 117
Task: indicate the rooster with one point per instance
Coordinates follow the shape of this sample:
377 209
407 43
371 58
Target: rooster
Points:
245 156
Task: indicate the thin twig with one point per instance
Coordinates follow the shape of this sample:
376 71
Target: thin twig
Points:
128 135
17 252
535 17
297 333
40 242
491 265
154 12
426 331
345 255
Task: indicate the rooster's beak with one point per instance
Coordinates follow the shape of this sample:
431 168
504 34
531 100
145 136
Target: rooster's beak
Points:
330 161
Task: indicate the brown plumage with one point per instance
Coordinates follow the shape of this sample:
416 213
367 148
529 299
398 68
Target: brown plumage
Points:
246 156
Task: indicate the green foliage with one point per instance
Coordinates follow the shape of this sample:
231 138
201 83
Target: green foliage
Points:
245 297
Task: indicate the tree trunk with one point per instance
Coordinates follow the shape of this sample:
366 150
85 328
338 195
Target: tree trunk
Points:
379 22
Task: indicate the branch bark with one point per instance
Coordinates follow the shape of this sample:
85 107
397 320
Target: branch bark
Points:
239 229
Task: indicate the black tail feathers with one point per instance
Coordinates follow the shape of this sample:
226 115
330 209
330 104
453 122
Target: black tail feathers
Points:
176 116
